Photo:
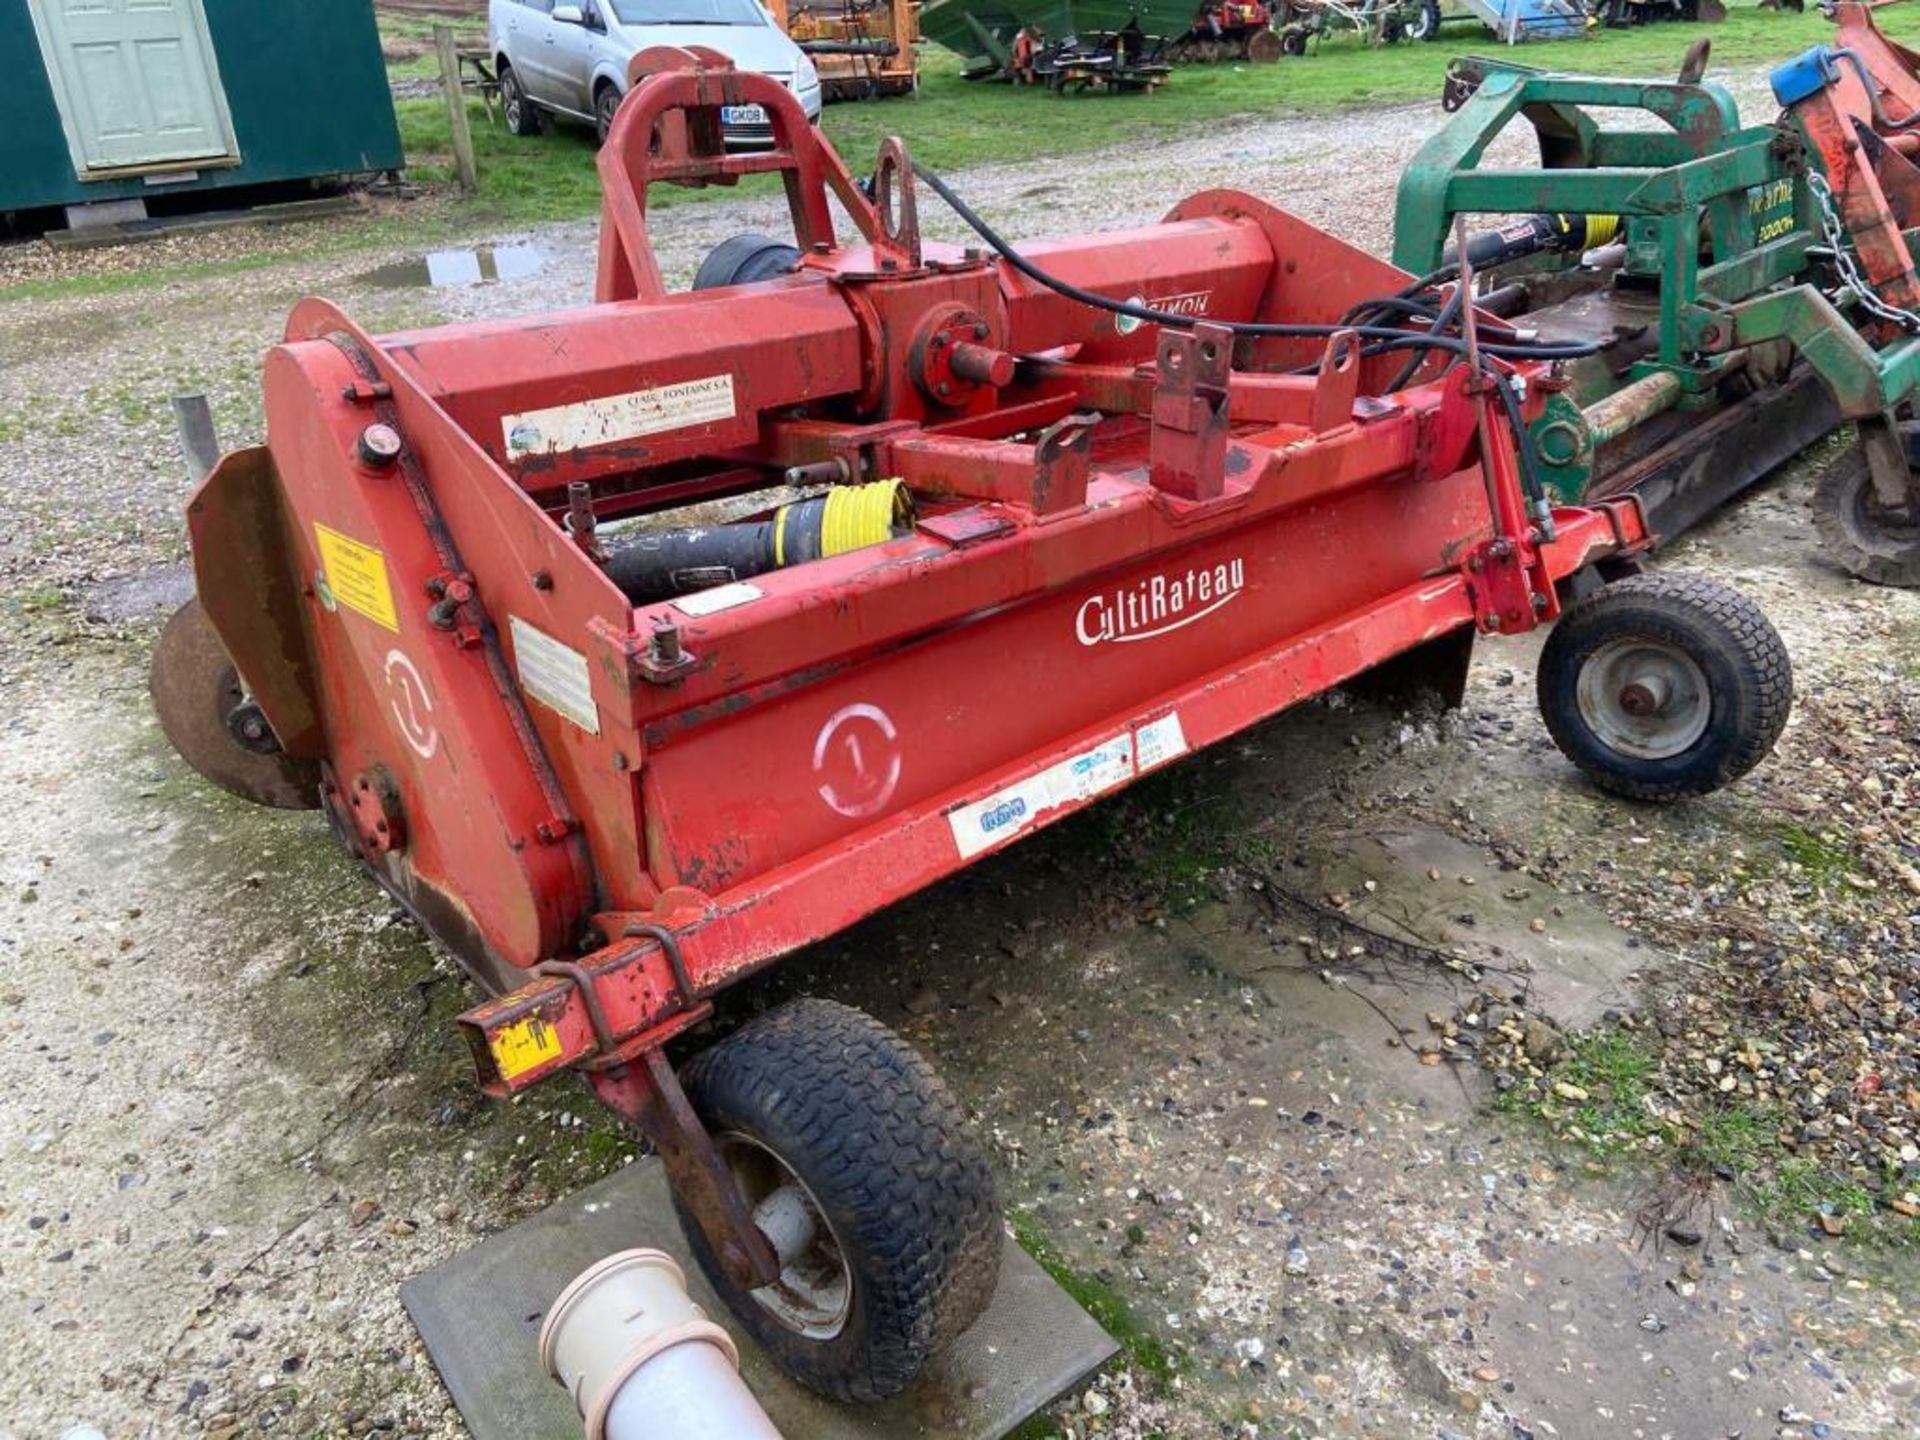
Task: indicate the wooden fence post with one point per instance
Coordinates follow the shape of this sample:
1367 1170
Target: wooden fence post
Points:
456 109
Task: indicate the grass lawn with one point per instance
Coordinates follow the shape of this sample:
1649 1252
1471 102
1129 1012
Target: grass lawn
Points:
953 123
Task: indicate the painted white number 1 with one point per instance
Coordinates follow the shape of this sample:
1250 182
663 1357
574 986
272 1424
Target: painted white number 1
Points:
856 759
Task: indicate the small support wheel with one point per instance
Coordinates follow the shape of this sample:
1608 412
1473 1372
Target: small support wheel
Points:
1863 535
860 1171
1662 686
1293 41
206 714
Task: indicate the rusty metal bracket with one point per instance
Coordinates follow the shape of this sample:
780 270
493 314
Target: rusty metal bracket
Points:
1188 445
669 944
647 1095
1887 466
897 246
1336 382
603 1038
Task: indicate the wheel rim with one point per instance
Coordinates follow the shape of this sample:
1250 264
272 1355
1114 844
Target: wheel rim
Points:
510 100
1878 526
814 1293
1644 698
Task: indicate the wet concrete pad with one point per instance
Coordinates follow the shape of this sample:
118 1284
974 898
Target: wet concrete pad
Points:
480 1315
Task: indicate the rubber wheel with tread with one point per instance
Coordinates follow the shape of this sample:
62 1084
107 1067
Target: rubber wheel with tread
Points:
606 105
1426 25
522 115
1705 629
883 1150
1293 42
1859 534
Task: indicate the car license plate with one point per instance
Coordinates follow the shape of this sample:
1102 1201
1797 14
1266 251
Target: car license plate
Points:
743 115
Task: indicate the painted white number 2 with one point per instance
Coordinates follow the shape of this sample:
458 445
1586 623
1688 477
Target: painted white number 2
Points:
412 704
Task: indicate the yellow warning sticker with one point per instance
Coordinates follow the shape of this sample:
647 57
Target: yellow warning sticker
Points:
356 576
523 1045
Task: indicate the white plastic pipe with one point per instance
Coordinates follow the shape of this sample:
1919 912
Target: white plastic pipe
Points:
642 1361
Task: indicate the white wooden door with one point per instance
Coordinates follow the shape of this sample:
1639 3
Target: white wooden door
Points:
135 81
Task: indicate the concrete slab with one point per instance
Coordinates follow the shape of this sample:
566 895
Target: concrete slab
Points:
480 1315
101 232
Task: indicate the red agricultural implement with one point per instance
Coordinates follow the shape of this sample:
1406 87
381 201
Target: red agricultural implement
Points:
1046 521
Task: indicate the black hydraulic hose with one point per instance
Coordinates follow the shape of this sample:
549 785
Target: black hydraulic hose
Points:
1388 305
1530 482
1387 337
1448 314
1392 338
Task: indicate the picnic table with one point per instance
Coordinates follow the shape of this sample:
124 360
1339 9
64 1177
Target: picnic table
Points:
482 81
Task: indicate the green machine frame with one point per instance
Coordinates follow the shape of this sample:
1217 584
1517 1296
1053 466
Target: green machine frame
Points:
1719 221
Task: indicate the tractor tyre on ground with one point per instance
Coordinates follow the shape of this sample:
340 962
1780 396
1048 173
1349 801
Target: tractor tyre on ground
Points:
859 1166
1662 686
1426 24
1862 535
522 115
1264 47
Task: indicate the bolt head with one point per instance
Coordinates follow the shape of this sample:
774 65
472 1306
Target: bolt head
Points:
379 445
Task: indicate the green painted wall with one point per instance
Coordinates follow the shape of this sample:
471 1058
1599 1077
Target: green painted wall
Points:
304 81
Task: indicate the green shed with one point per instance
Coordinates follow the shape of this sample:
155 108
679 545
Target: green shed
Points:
126 100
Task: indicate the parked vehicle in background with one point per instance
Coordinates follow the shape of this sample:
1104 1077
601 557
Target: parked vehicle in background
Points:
571 59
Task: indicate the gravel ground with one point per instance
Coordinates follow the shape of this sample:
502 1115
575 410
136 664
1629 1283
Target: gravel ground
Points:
235 1115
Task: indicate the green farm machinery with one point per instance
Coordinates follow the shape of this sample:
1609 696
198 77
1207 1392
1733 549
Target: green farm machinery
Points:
1747 290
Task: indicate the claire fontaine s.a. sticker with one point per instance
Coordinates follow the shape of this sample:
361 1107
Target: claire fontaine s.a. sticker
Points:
612 419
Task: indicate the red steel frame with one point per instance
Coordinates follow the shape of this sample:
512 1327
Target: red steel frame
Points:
1860 125
1132 542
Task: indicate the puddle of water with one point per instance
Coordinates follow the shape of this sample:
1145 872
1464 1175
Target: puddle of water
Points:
444 268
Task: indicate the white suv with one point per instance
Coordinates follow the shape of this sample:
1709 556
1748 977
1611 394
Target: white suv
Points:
571 59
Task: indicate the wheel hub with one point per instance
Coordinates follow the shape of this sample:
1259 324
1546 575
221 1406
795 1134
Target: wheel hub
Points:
1644 698
814 1294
